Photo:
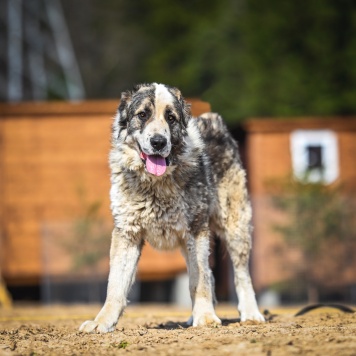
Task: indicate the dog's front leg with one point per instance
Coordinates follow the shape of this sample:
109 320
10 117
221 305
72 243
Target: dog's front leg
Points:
124 255
196 251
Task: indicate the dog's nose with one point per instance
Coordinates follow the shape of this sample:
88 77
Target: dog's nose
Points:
158 142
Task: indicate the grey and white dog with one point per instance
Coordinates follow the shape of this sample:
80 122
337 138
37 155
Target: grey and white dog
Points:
176 181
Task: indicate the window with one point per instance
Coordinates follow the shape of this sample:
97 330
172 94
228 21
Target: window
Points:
315 155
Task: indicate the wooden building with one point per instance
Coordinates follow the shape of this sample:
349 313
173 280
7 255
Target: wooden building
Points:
280 148
54 172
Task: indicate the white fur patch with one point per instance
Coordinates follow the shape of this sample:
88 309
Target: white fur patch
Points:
162 95
194 135
158 125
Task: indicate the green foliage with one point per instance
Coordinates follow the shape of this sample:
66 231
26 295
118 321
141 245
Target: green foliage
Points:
247 58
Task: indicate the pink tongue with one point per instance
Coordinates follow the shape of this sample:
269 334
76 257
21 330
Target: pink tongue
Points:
156 165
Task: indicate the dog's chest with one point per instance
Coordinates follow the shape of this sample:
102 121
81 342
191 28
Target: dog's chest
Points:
164 222
159 216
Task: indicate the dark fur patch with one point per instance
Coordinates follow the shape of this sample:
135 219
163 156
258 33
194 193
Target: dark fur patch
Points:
130 101
181 106
220 145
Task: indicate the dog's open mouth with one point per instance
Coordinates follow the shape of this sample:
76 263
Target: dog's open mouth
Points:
155 164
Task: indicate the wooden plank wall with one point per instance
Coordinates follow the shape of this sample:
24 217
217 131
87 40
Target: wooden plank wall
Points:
48 152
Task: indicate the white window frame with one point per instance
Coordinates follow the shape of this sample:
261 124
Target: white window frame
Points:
327 139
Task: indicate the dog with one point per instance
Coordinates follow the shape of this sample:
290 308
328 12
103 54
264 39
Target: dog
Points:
176 181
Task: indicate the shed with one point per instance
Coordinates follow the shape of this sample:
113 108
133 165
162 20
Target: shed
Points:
277 148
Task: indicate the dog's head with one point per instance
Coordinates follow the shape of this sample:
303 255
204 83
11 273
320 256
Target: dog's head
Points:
152 120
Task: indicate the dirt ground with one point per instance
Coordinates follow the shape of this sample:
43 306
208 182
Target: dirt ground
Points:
161 330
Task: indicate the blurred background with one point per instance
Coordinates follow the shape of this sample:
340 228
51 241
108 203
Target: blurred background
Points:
282 74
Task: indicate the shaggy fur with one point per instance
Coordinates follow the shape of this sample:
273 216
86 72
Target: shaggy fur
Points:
176 181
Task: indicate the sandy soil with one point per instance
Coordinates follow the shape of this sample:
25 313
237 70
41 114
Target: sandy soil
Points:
161 330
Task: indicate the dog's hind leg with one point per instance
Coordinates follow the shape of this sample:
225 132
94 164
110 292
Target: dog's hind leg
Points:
235 222
124 255
247 306
196 251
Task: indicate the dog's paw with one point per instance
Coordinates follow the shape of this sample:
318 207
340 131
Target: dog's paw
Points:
251 315
206 319
92 326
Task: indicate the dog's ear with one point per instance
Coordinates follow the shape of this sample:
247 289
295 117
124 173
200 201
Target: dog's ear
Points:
184 106
186 110
122 111
137 87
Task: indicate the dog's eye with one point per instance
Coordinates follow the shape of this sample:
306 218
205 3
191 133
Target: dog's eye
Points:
171 117
142 114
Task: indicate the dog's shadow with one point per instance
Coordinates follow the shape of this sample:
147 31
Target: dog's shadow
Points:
172 325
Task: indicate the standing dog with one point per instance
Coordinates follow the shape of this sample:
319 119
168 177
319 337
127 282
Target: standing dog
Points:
176 181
